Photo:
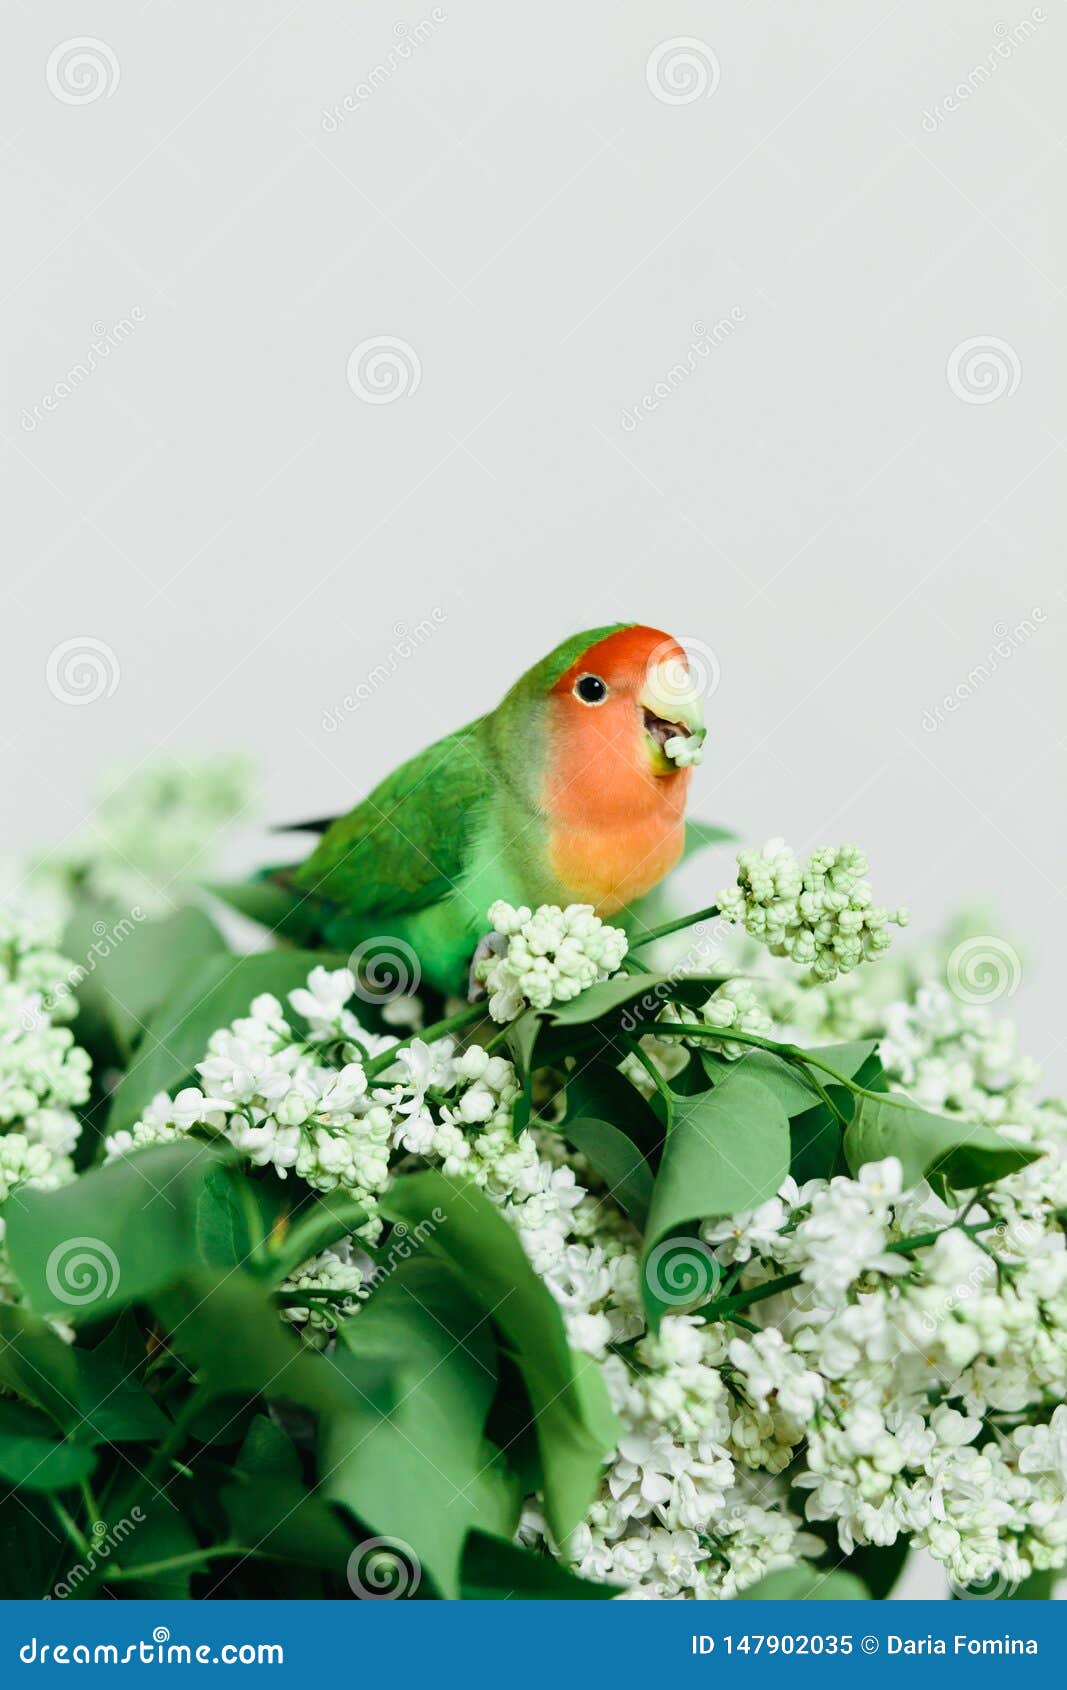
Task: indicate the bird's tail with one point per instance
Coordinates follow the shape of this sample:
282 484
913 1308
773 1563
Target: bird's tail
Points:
271 899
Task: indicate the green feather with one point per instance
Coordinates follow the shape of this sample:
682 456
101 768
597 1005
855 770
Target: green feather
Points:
422 858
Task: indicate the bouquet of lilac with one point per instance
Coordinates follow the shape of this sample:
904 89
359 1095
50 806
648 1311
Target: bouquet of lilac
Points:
692 1260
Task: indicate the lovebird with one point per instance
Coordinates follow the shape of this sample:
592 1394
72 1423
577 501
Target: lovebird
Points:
572 791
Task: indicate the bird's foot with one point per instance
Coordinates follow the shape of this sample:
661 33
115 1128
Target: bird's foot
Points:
490 944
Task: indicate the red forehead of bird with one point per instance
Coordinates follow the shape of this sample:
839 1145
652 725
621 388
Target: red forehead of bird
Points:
623 659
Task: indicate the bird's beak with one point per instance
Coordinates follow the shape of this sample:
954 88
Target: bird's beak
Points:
673 717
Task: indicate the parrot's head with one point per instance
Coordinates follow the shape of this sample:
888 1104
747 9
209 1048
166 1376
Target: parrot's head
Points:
600 738
627 696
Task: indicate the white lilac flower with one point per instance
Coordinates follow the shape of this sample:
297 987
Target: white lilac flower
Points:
549 956
906 1392
338 1275
821 916
44 1075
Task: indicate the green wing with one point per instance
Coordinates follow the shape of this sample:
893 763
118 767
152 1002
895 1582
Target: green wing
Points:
405 846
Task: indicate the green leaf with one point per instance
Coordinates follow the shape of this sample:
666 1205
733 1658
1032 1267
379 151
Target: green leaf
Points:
787 1081
37 1366
117 1409
495 1570
32 1457
176 1038
270 1510
522 1037
418 1477
597 1091
805 1584
727 1151
965 1154
619 1163
86 1394
699 835
273 906
124 1231
1039 1587
130 966
228 1330
575 1426
34 1551
161 1534
816 1132
878 1566
642 995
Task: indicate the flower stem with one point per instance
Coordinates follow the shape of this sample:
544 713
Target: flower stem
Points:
330 1218
451 1024
634 1047
791 1053
727 1307
670 927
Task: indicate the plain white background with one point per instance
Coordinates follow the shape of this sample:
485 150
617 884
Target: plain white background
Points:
836 501
845 504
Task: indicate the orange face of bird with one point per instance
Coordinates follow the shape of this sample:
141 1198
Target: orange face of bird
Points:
625 723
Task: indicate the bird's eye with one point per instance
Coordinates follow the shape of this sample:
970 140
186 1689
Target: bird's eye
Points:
591 689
